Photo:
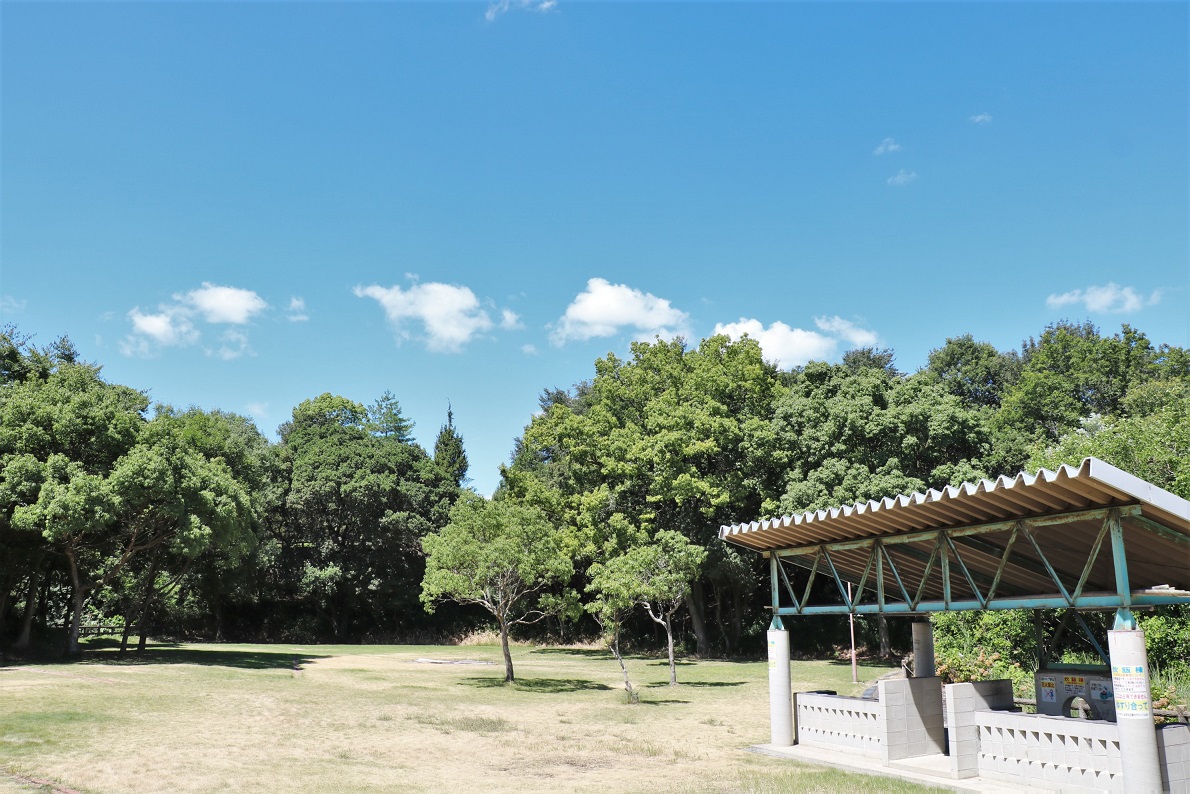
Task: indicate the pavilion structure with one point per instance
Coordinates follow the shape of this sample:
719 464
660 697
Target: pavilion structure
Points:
1091 537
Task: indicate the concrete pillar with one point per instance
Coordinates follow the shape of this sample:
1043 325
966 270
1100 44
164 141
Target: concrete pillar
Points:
1141 765
923 649
780 687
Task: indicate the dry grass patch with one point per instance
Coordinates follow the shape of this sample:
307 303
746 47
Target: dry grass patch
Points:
196 718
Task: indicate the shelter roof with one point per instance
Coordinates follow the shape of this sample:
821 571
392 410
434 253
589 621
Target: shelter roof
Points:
1064 508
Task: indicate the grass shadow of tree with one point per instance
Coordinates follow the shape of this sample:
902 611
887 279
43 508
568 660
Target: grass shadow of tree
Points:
171 653
539 685
588 653
696 684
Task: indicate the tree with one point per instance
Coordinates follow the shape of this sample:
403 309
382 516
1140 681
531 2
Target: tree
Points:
501 556
386 420
615 593
1073 372
62 431
674 438
657 576
448 451
352 517
976 372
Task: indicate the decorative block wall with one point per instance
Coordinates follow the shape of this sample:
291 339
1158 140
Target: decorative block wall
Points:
852 725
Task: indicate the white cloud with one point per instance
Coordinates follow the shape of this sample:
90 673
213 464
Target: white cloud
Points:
224 304
234 344
1110 298
982 118
848 331
902 178
887 145
450 315
786 347
257 410
603 309
297 310
510 320
529 350
504 6
10 304
167 328
173 324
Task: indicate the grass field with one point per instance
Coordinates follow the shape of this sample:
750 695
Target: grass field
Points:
375 718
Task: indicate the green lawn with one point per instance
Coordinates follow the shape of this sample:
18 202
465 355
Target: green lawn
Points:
360 718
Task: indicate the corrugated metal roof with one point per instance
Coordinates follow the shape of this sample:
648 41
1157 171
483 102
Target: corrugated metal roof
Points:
1153 559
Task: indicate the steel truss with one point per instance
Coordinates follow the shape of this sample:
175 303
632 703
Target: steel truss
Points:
892 596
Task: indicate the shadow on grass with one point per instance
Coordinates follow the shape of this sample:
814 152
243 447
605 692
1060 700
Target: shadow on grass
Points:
589 653
540 685
107 651
697 684
876 664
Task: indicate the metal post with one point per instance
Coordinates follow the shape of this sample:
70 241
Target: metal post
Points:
851 621
780 686
923 649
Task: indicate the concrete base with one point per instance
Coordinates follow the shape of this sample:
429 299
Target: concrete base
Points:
927 771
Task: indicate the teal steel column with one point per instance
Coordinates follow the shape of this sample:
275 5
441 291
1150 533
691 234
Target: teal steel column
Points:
1124 618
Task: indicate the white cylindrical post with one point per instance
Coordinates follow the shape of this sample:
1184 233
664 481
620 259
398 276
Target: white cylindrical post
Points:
780 688
1134 711
923 649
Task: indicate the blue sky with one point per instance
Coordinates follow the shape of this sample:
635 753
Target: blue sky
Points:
243 205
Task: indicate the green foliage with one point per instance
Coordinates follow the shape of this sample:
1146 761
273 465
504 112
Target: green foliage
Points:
1167 639
847 434
386 420
499 555
1151 441
1072 372
449 454
975 372
980 646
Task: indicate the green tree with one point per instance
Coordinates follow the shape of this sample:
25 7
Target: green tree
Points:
499 555
1072 372
975 372
449 453
386 420
62 431
614 594
657 576
676 439
350 521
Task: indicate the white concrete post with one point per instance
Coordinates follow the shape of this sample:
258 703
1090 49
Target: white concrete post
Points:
1134 711
780 687
923 649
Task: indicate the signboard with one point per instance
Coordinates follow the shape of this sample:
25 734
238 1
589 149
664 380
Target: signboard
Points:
1049 692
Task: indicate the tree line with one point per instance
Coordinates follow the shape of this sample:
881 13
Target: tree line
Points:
191 523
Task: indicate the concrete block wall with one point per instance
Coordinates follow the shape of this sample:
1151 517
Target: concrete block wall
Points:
912 718
962 701
1055 752
852 725
1173 748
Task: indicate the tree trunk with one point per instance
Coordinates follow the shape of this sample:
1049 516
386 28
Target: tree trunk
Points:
882 630
633 696
508 676
142 618
77 597
27 619
669 636
694 605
